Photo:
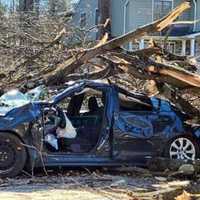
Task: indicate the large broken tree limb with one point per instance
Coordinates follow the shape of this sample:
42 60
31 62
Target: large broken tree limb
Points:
181 103
129 67
68 67
168 55
99 74
182 61
102 41
148 52
161 72
171 74
73 63
133 65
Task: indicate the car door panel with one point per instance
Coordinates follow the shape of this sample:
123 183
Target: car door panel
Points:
132 135
141 132
136 126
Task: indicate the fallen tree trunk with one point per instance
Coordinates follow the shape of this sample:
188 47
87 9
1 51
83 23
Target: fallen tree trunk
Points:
75 61
147 69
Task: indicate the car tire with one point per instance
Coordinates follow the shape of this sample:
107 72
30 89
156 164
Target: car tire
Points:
12 155
183 148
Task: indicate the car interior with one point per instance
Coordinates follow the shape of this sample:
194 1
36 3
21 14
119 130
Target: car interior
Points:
84 113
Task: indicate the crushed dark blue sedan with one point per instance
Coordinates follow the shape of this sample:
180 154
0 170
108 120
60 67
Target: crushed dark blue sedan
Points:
91 123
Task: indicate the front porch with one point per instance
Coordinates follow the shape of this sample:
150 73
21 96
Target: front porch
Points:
188 45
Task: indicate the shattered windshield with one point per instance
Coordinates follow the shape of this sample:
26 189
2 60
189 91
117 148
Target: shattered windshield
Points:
15 98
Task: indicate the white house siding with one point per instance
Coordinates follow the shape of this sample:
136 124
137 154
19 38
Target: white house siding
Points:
138 13
117 17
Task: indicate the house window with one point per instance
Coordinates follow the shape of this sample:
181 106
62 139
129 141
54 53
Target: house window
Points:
83 20
161 8
97 16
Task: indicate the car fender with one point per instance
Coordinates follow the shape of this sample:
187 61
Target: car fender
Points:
196 132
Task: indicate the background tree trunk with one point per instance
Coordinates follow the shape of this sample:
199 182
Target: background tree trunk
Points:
37 7
104 11
26 5
52 7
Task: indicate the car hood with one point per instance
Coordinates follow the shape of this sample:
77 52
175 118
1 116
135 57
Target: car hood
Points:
10 118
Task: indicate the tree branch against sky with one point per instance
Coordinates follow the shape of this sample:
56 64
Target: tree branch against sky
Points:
43 5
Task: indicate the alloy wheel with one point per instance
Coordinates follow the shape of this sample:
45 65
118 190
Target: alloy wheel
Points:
182 148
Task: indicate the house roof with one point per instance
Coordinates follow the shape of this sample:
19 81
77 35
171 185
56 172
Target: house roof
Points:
181 29
183 37
178 31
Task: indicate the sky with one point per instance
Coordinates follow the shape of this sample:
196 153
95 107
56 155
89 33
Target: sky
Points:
7 2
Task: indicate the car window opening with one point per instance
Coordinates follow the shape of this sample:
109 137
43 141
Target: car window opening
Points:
75 125
131 103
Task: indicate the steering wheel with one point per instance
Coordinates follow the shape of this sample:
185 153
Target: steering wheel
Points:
50 110
58 112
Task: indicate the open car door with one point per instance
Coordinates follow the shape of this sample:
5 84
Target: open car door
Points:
100 153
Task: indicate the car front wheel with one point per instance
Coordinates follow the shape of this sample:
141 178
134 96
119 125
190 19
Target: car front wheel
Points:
12 155
183 148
